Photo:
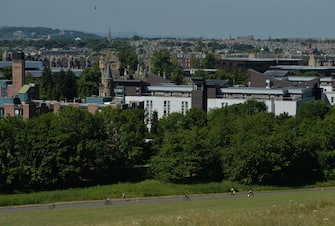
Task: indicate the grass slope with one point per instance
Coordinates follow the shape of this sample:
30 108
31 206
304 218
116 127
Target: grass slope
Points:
286 208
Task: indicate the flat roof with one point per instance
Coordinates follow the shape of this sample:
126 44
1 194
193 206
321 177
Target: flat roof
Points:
327 79
265 91
260 59
301 78
170 88
28 64
247 90
303 68
77 72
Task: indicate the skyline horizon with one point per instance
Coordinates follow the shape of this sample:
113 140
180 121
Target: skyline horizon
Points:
130 34
187 18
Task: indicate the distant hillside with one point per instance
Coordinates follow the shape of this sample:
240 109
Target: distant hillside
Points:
38 33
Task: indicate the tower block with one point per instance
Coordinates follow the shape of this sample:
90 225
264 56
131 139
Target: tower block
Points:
18 73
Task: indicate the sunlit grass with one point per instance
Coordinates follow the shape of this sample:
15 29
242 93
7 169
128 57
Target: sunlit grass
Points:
148 188
286 208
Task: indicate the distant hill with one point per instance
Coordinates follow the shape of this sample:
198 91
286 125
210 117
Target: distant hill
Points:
38 33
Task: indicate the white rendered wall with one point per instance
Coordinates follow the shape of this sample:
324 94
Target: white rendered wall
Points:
158 103
276 107
213 103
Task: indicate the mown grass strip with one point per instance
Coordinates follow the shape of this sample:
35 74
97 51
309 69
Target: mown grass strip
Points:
148 188
287 208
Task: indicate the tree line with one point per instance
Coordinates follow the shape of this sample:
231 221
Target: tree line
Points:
71 148
241 143
245 143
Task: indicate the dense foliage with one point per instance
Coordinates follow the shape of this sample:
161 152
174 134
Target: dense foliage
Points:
163 65
240 143
69 149
245 143
58 85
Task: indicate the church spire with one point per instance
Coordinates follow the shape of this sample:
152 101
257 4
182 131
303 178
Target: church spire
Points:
109 35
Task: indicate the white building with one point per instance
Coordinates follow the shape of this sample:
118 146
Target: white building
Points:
280 95
327 84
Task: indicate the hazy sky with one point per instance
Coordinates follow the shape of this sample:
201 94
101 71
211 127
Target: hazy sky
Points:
187 18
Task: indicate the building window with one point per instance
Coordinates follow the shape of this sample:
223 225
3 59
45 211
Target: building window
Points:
184 107
224 105
332 99
148 111
2 112
166 107
18 112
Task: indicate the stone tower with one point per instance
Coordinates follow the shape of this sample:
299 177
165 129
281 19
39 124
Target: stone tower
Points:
312 61
110 69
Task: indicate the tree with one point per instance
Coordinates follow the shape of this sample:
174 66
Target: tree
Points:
29 78
7 72
80 146
154 123
183 157
210 61
325 133
46 82
88 83
195 118
59 85
128 58
245 159
161 63
125 135
313 110
69 85
11 176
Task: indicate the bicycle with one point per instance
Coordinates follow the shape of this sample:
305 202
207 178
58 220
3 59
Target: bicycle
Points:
186 197
108 202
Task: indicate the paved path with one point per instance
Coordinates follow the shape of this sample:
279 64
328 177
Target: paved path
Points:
148 200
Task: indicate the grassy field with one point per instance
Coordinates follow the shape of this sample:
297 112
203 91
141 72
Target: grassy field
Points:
148 188
298 208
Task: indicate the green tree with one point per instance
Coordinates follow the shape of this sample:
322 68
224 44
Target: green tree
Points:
325 133
210 61
195 117
313 110
245 159
126 53
183 157
177 74
80 145
154 123
29 78
125 135
46 83
161 63
88 83
7 72
11 173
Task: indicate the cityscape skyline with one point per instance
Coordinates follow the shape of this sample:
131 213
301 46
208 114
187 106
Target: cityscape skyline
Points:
187 18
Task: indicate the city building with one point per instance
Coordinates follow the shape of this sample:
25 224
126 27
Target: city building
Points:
22 100
234 64
281 92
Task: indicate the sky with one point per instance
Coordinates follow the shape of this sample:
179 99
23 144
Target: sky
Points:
178 18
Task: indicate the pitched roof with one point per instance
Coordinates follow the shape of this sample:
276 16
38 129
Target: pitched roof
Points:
154 79
276 73
24 89
258 79
108 73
